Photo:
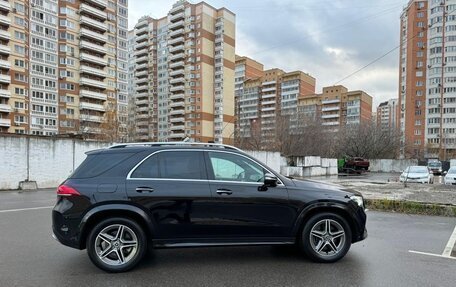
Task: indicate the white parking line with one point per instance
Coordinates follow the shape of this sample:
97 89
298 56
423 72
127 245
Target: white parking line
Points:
446 252
450 244
24 209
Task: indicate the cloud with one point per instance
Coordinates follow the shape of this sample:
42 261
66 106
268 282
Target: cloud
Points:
327 38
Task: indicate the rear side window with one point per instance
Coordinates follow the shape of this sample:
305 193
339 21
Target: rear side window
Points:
96 164
181 165
172 165
148 169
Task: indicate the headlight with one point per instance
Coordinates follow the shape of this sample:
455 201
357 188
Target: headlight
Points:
358 199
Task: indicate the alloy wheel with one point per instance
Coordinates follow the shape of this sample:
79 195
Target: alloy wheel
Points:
116 245
327 237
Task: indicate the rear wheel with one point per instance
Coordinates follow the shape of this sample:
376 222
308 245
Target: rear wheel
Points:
326 237
116 244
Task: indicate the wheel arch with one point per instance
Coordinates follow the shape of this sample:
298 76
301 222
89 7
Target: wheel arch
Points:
322 207
101 212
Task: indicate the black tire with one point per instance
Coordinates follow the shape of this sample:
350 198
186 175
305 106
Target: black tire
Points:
141 248
305 239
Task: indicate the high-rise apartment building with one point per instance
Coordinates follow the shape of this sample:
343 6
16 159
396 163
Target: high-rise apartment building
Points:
64 67
386 116
336 107
427 97
262 96
185 74
413 69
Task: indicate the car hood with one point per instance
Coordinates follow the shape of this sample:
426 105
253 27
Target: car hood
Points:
415 175
327 188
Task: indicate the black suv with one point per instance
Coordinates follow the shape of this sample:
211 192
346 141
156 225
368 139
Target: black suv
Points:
128 198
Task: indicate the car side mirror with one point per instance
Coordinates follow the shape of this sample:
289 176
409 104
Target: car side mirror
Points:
445 172
270 180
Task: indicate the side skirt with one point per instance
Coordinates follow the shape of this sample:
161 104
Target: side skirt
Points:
189 243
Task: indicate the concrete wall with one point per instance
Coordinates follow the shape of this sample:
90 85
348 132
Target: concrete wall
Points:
272 159
47 161
391 165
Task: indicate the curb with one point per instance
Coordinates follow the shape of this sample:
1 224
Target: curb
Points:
411 207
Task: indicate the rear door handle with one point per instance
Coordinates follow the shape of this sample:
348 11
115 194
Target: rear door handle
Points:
223 191
144 189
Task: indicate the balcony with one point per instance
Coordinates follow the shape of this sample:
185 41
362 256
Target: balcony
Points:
101 3
92 23
142 131
141 67
173 49
4 108
93 59
5 64
141 45
177 135
141 73
176 56
92 11
268 109
5 93
180 112
5 20
177 64
93 107
141 52
143 109
5 122
92 95
142 81
326 102
5 79
143 28
177 72
177 120
90 118
142 59
142 117
330 123
176 32
177 127
329 109
93 35
142 102
142 95
92 46
265 90
178 24
92 71
180 80
4 34
330 116
4 49
180 15
176 40
264 103
177 88
177 97
92 83
176 104
142 39
5 6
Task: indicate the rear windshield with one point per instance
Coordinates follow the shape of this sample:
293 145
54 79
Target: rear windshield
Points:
435 164
96 164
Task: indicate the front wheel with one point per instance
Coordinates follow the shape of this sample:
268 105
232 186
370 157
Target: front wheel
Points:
116 244
326 237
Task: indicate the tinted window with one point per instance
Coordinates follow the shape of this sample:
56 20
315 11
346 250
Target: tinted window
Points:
148 169
232 167
96 164
418 169
181 165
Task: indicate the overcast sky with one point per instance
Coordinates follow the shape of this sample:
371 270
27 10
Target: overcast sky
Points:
328 39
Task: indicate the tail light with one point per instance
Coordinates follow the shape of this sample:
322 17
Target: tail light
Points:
65 190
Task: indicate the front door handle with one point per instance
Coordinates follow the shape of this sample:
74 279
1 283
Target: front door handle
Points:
144 189
223 191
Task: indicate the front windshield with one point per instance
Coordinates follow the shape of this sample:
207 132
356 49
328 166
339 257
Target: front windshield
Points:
452 170
418 169
435 164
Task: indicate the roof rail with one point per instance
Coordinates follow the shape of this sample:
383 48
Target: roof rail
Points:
156 144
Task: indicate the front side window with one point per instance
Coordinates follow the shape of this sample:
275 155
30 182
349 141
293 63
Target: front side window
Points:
232 167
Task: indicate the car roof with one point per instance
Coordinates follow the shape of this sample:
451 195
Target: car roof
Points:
139 147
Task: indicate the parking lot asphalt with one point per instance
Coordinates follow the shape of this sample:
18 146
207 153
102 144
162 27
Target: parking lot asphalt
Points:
30 257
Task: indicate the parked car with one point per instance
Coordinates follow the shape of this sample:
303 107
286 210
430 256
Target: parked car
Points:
450 176
435 167
357 163
417 174
125 199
